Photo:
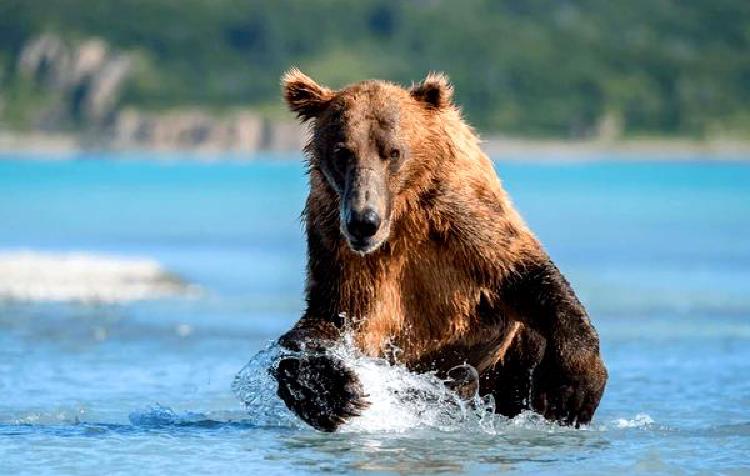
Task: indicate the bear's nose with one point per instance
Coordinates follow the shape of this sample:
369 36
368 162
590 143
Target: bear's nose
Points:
363 224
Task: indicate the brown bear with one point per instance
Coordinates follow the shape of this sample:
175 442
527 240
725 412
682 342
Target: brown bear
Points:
413 244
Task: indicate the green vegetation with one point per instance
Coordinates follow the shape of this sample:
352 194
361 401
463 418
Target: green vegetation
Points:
550 68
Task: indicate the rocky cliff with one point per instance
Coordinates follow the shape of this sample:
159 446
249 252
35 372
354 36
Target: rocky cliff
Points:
80 86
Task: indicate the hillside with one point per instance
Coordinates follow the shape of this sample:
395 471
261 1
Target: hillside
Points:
537 68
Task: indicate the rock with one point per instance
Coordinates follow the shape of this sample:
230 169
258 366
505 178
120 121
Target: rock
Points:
87 77
84 82
196 129
45 59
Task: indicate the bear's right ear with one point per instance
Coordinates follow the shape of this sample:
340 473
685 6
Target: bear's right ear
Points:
435 91
303 95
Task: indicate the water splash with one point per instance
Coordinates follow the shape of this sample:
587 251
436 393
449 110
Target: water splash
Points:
56 416
256 389
641 420
400 400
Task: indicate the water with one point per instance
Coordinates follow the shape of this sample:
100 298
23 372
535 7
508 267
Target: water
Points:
184 271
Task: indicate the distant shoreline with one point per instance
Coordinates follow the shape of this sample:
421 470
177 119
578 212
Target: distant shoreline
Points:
49 145
632 149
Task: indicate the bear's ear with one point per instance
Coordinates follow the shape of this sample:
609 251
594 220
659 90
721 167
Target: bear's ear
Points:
435 91
303 95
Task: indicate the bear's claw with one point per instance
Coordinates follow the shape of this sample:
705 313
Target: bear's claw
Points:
320 389
570 398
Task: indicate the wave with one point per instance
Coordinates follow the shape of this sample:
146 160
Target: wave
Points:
161 416
85 277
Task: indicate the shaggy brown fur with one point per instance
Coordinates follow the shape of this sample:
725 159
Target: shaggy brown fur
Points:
452 274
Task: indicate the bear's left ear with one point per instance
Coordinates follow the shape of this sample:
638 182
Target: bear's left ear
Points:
435 91
303 95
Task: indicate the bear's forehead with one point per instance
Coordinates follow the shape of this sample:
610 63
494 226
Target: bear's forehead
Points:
372 104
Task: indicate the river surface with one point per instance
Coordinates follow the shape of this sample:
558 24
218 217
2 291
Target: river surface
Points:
134 291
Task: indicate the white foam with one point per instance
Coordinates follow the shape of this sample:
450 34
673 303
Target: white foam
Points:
641 420
400 400
84 277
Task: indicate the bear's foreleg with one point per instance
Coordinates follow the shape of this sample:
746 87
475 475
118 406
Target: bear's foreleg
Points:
315 385
569 382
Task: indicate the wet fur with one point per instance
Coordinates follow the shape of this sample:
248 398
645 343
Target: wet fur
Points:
460 277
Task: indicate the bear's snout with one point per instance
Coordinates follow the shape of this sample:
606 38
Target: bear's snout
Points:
363 225
364 214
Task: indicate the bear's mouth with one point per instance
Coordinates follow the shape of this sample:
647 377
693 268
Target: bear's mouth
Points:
364 246
369 244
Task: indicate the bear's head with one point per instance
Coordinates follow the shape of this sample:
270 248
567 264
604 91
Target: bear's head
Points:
375 143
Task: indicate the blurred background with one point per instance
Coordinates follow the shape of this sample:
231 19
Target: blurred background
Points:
151 184
198 73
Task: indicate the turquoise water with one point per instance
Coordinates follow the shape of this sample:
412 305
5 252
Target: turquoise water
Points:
659 252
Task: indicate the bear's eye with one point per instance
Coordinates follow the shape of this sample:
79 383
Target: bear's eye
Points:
342 155
394 154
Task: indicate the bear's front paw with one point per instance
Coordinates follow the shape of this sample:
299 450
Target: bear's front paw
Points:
321 390
569 391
